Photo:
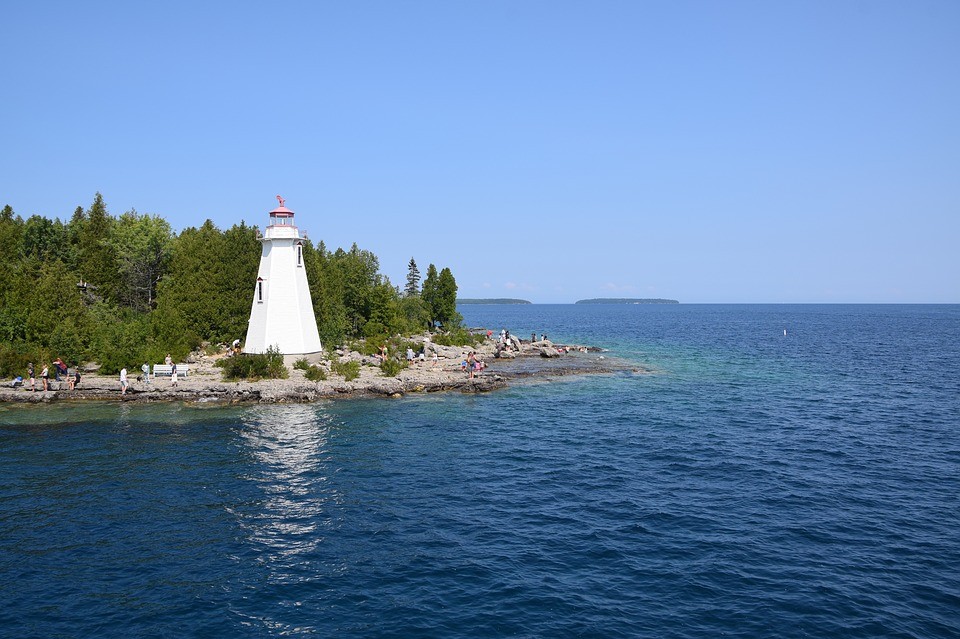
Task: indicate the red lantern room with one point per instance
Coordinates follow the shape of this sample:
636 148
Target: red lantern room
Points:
281 216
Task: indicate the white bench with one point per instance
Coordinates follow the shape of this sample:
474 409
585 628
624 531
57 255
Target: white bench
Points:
166 370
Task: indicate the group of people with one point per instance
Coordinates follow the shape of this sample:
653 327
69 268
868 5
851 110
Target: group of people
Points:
145 378
60 372
473 365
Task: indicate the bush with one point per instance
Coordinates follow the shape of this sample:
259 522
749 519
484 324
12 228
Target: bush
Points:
392 367
458 337
251 366
348 370
13 360
315 374
302 364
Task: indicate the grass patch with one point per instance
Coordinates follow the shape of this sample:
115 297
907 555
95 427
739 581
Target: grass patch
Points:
302 364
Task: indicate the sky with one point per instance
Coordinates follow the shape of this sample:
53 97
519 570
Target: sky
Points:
708 152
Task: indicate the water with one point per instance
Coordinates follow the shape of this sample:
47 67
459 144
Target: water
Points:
753 485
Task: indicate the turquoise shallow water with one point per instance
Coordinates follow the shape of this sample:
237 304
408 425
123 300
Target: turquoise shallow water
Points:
754 485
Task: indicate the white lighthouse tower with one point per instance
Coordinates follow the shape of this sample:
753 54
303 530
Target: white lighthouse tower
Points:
282 313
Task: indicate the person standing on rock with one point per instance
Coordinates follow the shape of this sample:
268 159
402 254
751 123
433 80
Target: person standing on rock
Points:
30 376
173 375
123 381
45 376
146 373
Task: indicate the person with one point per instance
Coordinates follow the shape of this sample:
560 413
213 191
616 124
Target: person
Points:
45 376
489 334
471 361
409 354
123 380
533 337
146 373
173 374
236 345
383 353
168 360
422 357
76 379
59 368
30 375
543 337
436 360
70 381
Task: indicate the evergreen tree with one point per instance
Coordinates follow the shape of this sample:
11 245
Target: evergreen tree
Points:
241 259
326 294
429 294
96 254
446 310
189 299
413 280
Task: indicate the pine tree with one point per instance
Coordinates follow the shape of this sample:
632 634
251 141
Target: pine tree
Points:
413 280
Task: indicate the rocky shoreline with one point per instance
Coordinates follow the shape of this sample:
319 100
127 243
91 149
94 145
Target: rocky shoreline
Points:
205 384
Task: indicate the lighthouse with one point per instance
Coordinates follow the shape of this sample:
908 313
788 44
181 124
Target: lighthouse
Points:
282 314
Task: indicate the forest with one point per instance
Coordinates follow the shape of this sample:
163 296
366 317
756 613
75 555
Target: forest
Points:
125 290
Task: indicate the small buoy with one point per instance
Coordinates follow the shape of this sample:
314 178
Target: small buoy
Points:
784 332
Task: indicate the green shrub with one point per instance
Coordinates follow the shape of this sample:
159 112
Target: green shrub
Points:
13 360
458 337
392 367
302 364
348 370
315 374
251 366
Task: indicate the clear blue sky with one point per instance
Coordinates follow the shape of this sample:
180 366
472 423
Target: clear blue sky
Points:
701 151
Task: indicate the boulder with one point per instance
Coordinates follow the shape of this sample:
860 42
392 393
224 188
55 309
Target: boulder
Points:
549 351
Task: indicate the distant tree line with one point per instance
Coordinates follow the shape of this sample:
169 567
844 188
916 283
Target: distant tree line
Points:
626 300
128 289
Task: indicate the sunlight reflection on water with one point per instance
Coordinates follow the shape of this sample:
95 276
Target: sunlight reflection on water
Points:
290 446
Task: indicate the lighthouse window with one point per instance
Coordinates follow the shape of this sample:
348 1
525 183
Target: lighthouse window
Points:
260 291
299 254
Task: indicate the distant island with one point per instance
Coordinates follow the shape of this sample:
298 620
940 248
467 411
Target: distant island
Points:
493 300
626 300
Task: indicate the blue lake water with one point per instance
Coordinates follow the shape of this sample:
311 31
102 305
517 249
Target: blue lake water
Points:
755 484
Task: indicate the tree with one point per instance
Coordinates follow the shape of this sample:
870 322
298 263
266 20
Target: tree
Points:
142 244
413 280
97 260
325 293
445 310
241 260
429 294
